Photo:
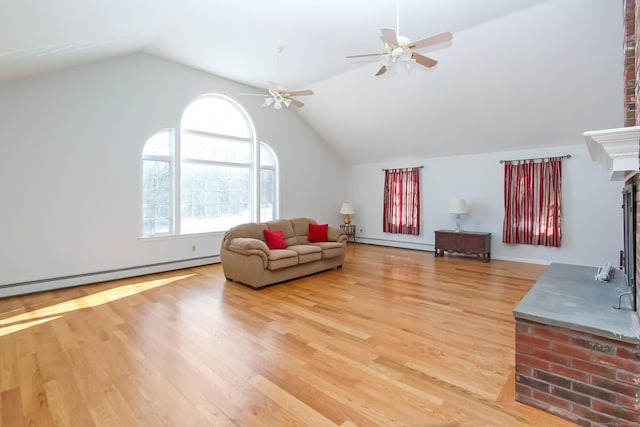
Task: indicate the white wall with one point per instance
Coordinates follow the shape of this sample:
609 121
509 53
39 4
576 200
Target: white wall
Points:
592 217
70 146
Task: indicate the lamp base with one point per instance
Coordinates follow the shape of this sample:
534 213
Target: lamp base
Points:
347 219
458 223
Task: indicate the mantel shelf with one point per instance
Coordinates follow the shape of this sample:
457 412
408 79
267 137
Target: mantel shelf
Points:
616 150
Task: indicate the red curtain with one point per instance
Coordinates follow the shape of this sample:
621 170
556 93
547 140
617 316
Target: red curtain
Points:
532 202
402 201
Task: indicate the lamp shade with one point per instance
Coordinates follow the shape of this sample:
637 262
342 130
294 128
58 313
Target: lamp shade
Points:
458 207
347 209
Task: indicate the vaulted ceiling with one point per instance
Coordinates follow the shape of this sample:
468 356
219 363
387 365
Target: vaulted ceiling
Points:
517 74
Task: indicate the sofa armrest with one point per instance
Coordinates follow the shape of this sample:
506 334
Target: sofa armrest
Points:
336 234
249 246
246 244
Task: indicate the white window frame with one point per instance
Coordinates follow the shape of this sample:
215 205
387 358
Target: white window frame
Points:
170 158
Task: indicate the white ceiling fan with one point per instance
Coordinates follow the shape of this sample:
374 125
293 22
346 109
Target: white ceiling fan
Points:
278 96
398 48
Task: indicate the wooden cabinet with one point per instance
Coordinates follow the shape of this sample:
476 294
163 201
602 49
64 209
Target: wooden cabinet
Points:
464 242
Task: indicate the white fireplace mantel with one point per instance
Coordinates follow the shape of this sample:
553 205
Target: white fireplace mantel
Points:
616 150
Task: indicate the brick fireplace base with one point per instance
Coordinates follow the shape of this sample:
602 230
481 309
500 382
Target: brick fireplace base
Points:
589 380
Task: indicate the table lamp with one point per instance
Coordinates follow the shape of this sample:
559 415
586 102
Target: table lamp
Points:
347 210
458 207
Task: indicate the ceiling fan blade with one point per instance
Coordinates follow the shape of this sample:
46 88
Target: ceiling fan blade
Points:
423 60
366 54
296 103
300 93
389 36
438 38
382 70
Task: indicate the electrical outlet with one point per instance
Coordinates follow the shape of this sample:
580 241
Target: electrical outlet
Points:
360 230
193 248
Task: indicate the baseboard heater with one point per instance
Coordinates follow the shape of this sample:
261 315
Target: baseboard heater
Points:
397 243
32 286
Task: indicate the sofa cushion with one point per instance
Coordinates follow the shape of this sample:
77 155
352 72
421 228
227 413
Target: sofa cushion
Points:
330 249
301 226
318 232
285 226
307 253
305 249
281 258
274 239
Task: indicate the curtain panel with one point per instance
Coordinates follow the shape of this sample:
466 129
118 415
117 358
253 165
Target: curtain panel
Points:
402 201
532 202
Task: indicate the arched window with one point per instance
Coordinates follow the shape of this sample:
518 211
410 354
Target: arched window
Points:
224 177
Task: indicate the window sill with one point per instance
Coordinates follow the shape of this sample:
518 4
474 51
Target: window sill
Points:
160 237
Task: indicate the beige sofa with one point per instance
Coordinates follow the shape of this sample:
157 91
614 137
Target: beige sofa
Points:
247 259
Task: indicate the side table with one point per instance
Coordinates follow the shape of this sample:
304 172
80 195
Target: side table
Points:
350 231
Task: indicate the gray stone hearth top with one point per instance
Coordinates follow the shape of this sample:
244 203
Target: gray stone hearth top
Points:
569 296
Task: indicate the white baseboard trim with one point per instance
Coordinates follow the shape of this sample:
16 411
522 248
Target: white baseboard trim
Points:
430 247
22 288
523 260
396 243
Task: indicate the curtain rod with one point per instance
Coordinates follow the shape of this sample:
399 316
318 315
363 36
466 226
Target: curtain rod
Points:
415 167
566 156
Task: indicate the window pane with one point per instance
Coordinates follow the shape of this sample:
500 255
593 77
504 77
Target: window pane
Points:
215 149
215 115
156 197
267 195
214 197
160 144
266 156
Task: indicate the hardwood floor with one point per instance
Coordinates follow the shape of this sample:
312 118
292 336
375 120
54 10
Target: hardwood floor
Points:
395 338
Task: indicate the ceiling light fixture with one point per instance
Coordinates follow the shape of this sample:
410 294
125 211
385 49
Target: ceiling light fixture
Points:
277 96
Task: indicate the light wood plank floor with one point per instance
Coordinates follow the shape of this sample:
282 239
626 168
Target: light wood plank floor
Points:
395 338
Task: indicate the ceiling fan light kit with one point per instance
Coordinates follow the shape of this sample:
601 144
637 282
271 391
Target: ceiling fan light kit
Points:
277 96
276 99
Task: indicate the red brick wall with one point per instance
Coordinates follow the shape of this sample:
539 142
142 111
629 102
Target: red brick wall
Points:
636 181
632 98
630 65
589 380
636 31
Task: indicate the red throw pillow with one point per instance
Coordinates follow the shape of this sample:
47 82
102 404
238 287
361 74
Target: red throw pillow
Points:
275 239
318 232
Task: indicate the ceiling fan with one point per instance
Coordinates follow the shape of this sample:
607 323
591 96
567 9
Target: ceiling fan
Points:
399 48
278 96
